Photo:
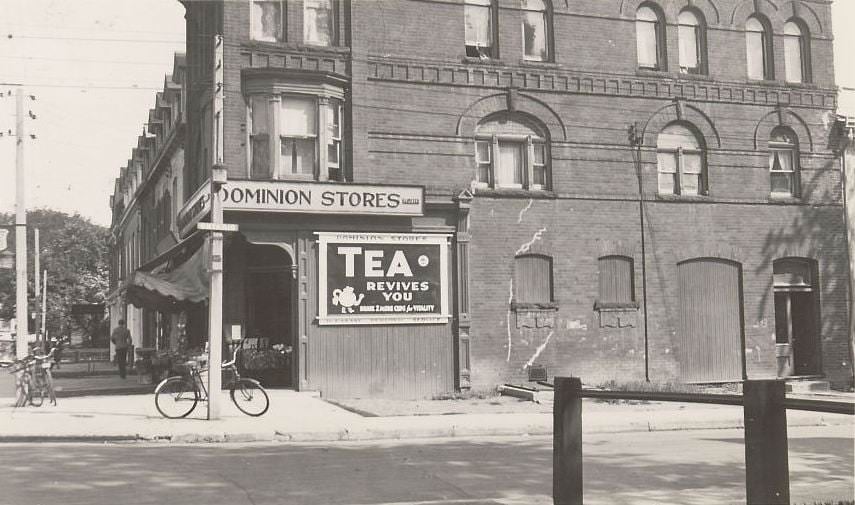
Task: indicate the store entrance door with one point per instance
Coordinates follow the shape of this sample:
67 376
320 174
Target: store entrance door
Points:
268 346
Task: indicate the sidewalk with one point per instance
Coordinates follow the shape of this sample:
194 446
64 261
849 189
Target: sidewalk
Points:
305 417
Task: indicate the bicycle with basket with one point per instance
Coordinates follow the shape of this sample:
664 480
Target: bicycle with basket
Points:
176 397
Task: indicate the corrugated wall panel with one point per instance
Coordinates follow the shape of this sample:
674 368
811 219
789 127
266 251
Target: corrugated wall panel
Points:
401 361
710 321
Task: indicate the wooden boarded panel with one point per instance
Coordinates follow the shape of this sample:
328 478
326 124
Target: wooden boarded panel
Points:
390 361
710 321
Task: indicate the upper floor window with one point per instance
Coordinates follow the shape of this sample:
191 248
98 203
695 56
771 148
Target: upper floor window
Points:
650 38
480 28
295 137
796 53
758 46
267 21
680 161
533 279
692 43
511 153
783 162
536 30
319 22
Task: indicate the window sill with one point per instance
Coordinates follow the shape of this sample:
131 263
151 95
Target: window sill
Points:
694 77
615 306
534 307
528 193
539 64
297 46
784 199
483 61
782 84
649 72
682 198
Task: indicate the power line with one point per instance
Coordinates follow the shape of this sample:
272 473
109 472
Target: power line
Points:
11 36
120 62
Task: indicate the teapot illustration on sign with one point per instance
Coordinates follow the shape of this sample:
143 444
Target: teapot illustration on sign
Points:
346 299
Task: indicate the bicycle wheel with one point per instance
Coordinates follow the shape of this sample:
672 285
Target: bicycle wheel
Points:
49 386
23 387
37 389
249 397
176 397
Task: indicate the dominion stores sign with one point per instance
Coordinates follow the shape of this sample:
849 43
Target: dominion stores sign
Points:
382 278
330 198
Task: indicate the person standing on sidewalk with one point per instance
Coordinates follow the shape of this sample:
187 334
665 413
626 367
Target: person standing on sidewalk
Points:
121 338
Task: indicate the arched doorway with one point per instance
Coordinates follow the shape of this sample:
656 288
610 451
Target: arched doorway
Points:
269 343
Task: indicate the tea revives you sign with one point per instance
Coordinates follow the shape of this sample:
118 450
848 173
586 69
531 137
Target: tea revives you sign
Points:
382 278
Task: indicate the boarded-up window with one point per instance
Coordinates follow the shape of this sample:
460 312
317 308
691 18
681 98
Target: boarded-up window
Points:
533 279
616 280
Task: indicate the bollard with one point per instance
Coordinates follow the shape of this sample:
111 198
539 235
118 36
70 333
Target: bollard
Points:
567 442
767 477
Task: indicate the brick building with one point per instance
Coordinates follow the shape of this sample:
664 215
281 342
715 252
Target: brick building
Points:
451 194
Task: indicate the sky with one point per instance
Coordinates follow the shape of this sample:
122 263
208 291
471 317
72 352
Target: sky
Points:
94 67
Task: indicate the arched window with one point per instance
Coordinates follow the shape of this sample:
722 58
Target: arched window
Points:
692 43
511 152
532 279
796 52
480 28
758 46
536 30
650 38
784 162
680 161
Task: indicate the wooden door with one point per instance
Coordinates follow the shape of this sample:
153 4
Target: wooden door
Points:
710 337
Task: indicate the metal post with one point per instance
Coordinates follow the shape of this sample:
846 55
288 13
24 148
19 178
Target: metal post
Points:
567 442
44 306
21 341
767 477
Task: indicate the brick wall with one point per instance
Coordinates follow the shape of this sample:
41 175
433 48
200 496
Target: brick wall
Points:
414 103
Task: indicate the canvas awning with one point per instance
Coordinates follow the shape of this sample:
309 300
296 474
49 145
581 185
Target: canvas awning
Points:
181 278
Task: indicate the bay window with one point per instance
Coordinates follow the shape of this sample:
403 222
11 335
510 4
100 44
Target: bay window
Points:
295 136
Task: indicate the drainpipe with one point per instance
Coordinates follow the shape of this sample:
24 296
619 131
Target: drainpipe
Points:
636 142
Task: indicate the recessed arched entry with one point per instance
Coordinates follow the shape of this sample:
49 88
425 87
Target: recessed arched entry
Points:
269 343
710 339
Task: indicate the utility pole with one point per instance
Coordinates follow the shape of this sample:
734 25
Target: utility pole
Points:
21 341
215 298
636 141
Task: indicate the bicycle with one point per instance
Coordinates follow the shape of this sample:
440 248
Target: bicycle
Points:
36 380
176 397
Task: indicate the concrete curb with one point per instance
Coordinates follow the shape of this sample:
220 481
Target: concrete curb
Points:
403 433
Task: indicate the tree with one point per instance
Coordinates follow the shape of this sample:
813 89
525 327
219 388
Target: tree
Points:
75 253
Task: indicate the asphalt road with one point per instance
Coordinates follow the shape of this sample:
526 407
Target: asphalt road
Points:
679 467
